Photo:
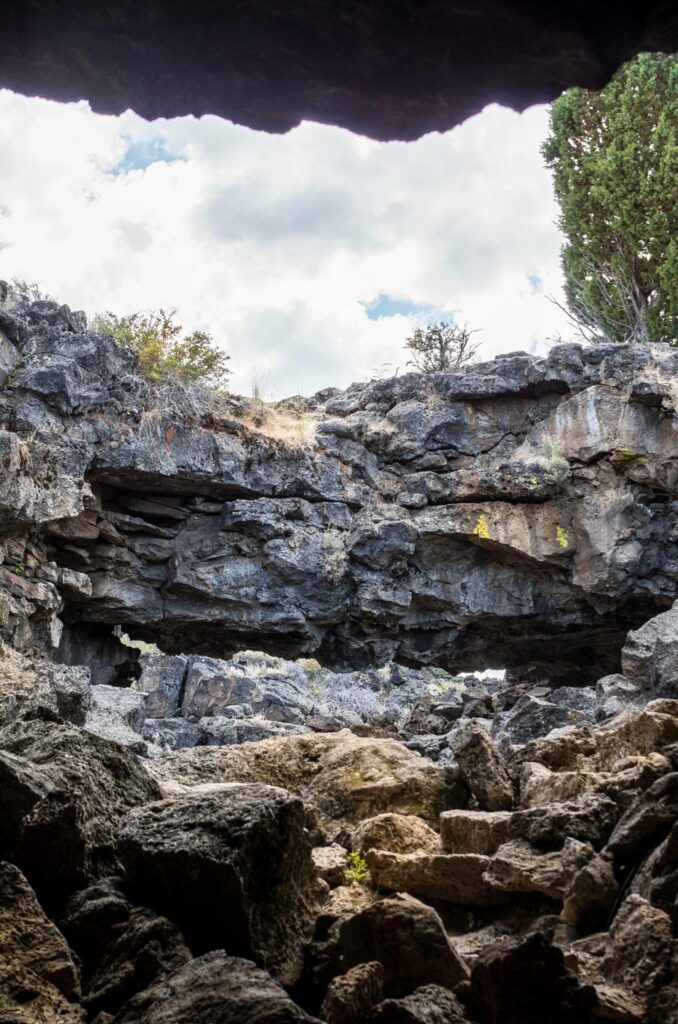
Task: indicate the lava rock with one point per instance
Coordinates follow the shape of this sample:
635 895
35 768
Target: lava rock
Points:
243 855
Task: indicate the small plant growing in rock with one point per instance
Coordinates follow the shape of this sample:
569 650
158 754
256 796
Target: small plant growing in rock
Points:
556 466
19 569
357 869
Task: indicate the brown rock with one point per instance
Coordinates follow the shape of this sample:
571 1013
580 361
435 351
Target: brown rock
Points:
589 819
518 867
351 996
397 833
454 878
482 767
330 863
408 939
231 867
640 947
429 1004
539 785
474 831
122 948
590 894
28 939
214 989
347 778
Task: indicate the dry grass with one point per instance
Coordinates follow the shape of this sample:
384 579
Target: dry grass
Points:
294 427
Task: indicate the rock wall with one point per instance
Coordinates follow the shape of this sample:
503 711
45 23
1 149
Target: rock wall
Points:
389 71
520 513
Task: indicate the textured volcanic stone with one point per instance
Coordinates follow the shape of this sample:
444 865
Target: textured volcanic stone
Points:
650 655
474 831
364 70
122 948
429 1004
454 878
232 867
351 996
482 767
399 833
590 819
306 550
408 940
29 940
347 778
214 989
64 795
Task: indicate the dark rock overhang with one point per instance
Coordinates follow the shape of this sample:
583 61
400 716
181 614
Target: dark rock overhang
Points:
390 70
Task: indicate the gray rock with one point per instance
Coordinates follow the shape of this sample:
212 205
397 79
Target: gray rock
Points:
118 713
162 678
481 766
650 655
613 694
171 733
530 718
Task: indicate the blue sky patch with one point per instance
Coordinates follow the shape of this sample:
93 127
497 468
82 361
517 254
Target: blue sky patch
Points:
385 305
140 155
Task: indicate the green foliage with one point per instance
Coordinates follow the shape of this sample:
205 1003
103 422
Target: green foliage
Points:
163 354
614 157
440 347
357 869
19 569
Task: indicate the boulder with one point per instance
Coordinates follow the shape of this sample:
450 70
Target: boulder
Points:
518 867
331 863
482 767
122 948
430 1004
452 878
532 717
347 778
408 939
647 821
539 785
351 996
474 831
613 694
641 947
64 795
398 833
214 989
590 894
118 713
526 981
162 678
650 655
232 867
590 819
26 998
29 941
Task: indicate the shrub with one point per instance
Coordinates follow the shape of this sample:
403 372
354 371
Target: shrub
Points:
557 468
163 355
357 869
440 346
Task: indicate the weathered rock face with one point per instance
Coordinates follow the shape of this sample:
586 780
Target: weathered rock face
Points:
425 525
384 75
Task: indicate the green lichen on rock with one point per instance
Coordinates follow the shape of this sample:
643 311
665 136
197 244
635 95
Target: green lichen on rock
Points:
626 455
562 536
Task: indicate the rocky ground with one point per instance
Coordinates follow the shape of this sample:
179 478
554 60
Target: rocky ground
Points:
209 837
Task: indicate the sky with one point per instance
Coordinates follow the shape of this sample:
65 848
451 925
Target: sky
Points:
309 257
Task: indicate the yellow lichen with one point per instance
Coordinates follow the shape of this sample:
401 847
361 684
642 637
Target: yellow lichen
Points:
534 481
626 455
482 529
562 537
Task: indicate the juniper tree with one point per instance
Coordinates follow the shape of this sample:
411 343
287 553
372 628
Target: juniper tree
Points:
614 157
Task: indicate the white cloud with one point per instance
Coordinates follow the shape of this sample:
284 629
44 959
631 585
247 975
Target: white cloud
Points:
278 245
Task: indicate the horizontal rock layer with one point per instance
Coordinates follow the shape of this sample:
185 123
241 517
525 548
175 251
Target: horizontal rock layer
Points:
519 513
392 72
